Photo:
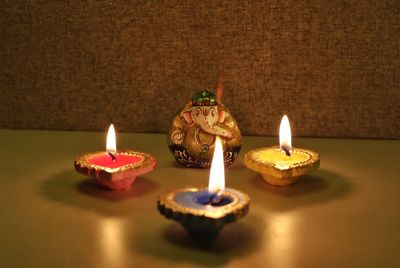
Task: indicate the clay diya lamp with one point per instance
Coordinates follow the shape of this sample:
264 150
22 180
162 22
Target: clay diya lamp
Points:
282 165
112 169
204 211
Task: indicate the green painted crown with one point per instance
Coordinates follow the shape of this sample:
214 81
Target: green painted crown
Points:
204 98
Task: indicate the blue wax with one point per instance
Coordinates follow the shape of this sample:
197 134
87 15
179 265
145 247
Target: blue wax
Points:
201 199
213 199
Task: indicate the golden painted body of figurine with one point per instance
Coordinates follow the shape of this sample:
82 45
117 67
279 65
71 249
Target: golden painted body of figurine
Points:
192 133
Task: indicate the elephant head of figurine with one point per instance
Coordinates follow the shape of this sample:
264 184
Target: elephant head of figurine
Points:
206 113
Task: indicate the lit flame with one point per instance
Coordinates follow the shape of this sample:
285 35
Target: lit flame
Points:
111 141
216 182
285 135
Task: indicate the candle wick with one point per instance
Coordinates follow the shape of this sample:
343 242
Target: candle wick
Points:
286 149
216 199
113 157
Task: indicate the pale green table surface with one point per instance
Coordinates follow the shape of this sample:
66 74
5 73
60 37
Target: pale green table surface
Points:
346 214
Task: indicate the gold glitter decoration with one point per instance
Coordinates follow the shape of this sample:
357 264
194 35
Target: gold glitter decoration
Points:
279 169
84 166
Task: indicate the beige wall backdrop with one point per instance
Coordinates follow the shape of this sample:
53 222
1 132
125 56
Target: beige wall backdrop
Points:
332 66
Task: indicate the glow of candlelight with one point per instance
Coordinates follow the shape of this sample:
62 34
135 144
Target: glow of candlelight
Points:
285 135
111 146
216 182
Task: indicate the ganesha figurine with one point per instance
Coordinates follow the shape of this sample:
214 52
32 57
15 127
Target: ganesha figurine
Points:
193 131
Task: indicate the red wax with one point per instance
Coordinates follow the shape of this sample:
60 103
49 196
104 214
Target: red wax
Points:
105 160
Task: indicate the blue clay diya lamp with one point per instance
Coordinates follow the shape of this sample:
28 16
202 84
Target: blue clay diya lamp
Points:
204 211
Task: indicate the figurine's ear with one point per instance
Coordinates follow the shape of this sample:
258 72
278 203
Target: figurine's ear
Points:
221 115
188 117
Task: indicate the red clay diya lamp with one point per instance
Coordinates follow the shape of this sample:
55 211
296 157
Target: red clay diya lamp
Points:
282 165
203 211
112 169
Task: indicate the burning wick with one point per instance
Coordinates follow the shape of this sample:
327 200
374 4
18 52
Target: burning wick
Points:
113 157
216 199
286 149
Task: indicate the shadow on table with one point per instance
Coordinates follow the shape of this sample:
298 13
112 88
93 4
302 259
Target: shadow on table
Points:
174 244
141 186
72 189
320 187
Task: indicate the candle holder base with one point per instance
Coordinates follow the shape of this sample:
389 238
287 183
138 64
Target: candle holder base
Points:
280 181
202 233
124 184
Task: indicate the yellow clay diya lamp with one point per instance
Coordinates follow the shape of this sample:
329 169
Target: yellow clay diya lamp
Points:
282 165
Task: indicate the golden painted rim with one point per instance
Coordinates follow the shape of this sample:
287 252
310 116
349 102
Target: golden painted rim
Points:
252 161
240 202
83 162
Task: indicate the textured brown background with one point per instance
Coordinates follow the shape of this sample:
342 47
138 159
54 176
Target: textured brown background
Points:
332 66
